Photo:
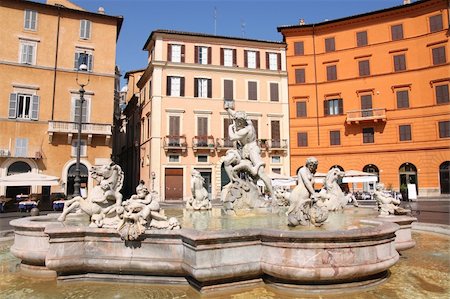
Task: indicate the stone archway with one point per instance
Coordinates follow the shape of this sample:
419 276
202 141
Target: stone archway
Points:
444 177
338 167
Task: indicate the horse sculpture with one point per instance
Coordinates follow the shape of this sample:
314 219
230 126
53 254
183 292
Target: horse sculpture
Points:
103 198
334 197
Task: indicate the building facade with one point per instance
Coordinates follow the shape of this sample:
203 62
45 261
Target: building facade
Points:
370 93
39 90
183 122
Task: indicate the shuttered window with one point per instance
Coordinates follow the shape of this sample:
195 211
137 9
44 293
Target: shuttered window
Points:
275 133
404 132
83 58
299 48
175 86
273 61
335 137
175 53
402 99
301 109
331 73
364 68
23 106
28 52
75 113
226 142
30 19
302 139
399 62
202 88
439 55
436 23
85 29
300 76
228 89
397 32
329 44
361 38
442 96
251 59
255 125
274 93
21 147
227 57
202 131
202 55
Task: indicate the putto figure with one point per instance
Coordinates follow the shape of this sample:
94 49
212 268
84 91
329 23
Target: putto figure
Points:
200 199
387 205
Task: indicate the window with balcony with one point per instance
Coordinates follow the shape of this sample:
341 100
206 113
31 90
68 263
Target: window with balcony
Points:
275 133
28 52
202 131
252 90
442 96
228 57
299 49
364 68
331 73
23 106
438 55
402 98
361 38
397 32
83 148
228 93
175 53
255 125
202 55
274 92
21 147
404 132
273 61
301 109
85 29
202 88
333 107
251 59
366 105
368 135
399 62
83 57
436 23
75 111
175 86
444 129
174 130
330 44
335 137
300 76
30 19
302 139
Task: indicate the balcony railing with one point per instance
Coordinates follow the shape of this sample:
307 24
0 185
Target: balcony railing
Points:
356 116
224 144
71 128
203 143
175 143
277 145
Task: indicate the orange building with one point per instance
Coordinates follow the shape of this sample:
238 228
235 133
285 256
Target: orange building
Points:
370 92
42 46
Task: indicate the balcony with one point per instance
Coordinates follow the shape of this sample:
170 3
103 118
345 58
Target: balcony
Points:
203 143
70 128
224 144
35 153
4 152
175 144
366 115
277 146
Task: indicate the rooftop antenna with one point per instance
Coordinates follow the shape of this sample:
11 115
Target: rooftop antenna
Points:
215 20
243 28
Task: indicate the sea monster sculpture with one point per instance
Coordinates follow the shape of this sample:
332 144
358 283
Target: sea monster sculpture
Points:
200 199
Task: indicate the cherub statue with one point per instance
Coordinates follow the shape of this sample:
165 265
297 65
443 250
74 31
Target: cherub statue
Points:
387 205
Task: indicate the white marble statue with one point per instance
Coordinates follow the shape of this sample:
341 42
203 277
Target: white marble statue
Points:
200 199
334 197
387 205
306 206
244 165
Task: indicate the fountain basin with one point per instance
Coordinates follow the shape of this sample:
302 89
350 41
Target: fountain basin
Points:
207 259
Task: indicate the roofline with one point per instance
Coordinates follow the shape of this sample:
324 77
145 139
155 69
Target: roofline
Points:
398 7
127 74
174 32
119 19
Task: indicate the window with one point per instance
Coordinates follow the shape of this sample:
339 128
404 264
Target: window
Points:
83 148
175 53
28 52
299 76
174 158
202 88
329 44
255 125
202 158
228 89
368 135
202 55
361 38
251 59
397 32
335 137
202 131
273 61
75 113
252 90
364 68
21 148
333 107
402 99
276 159
404 132
274 93
85 29
442 94
30 19
366 105
444 129
175 86
436 23
439 55
302 139
399 62
228 57
299 48
174 130
275 133
331 73
23 106
276 170
301 109
83 58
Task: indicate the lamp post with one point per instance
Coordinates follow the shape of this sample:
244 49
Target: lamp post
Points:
77 180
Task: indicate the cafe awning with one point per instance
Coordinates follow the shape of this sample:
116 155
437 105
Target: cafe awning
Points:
29 179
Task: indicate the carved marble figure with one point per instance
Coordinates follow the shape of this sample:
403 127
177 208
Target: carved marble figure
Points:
387 205
334 197
306 206
200 199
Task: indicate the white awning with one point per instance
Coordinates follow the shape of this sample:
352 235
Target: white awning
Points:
29 179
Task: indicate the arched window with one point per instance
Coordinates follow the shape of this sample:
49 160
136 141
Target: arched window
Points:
18 167
408 175
370 168
337 166
444 177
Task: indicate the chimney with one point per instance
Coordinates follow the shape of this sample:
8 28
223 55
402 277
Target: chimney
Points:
406 2
301 22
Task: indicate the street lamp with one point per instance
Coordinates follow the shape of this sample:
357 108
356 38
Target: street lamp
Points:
84 68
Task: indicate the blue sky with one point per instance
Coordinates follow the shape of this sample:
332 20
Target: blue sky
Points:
254 19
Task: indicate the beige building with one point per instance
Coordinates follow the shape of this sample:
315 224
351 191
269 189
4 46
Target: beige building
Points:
183 121
39 91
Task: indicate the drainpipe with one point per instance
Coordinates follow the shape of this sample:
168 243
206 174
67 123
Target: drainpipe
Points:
56 63
315 85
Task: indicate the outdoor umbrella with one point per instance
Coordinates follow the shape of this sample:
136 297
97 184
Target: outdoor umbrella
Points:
29 179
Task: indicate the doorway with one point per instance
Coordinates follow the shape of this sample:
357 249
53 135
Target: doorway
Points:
444 177
173 182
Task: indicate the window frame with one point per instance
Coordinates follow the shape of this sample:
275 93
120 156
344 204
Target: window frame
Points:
86 109
85 29
25 46
435 27
442 94
361 38
439 55
397 32
300 76
364 68
401 101
252 60
368 135
252 90
83 148
331 72
27 23
298 111
333 106
330 44
335 139
399 61
89 60
274 89
302 139
444 129
299 50
404 135
202 88
170 91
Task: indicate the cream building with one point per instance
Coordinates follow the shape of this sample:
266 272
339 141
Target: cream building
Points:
183 121
39 93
